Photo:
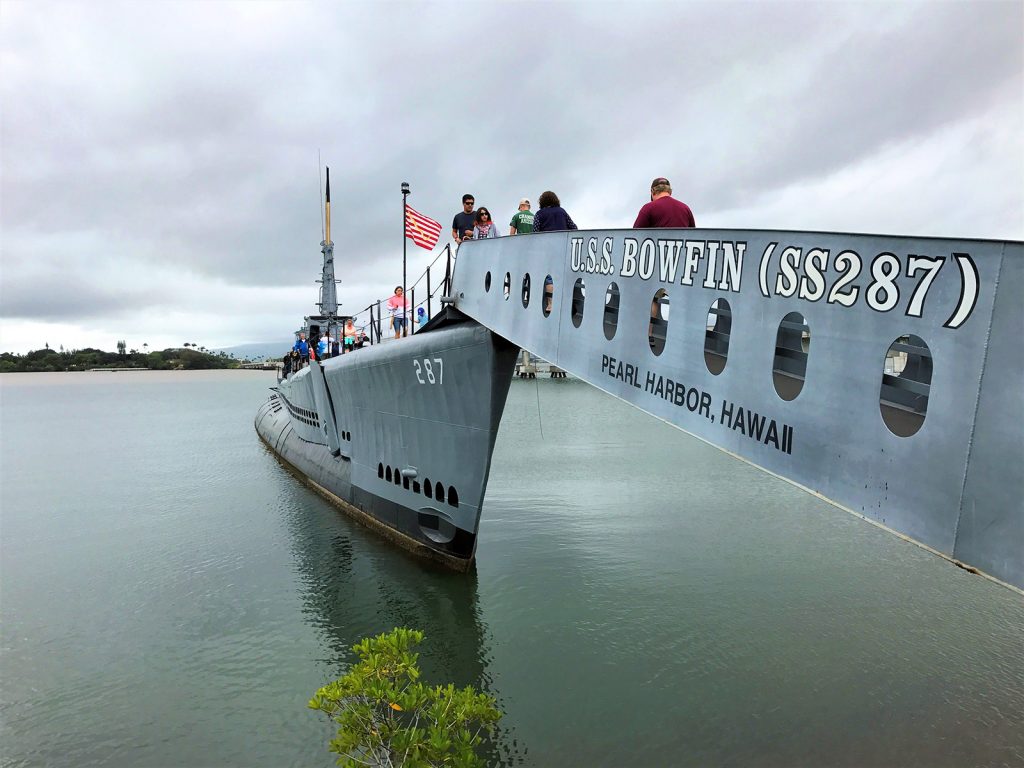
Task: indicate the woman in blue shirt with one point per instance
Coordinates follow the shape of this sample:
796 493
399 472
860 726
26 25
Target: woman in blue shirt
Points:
551 217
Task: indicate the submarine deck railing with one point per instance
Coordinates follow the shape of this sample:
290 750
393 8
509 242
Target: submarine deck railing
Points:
370 319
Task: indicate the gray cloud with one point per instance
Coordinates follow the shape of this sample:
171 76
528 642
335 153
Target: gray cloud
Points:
65 301
176 143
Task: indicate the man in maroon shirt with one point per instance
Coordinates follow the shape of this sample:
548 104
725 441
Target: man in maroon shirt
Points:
664 211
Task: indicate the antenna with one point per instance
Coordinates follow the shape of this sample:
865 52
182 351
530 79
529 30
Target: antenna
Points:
328 291
320 194
327 206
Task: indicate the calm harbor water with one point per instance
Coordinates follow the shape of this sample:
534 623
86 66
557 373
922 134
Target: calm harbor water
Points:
170 596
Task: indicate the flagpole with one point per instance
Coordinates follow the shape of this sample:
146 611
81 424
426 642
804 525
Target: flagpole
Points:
405 231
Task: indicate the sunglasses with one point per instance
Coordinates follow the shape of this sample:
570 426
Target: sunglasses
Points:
470 202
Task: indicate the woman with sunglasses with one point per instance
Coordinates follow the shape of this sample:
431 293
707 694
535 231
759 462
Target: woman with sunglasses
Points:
483 225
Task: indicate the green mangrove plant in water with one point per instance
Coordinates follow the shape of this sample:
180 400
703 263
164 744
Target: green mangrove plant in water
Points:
387 717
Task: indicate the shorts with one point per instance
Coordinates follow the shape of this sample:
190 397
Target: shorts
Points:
399 323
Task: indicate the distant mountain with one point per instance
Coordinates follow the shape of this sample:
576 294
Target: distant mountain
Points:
258 351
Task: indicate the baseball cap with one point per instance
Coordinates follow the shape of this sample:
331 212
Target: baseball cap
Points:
660 180
524 201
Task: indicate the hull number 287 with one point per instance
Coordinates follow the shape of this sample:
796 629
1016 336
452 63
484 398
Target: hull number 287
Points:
429 370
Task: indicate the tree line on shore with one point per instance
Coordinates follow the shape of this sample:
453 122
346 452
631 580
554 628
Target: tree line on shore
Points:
173 359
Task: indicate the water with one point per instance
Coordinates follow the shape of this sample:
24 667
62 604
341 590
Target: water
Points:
170 596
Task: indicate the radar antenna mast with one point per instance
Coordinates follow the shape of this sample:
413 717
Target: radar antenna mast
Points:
328 291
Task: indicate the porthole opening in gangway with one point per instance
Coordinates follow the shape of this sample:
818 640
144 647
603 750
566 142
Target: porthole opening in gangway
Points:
792 346
611 311
906 385
657 329
579 299
716 336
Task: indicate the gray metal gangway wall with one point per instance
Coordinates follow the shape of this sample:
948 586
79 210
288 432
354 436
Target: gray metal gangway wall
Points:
884 373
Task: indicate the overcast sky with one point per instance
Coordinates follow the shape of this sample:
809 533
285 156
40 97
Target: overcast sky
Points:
159 159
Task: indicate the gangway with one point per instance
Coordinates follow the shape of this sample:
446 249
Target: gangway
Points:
882 373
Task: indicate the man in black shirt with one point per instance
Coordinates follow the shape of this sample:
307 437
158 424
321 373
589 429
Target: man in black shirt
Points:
462 224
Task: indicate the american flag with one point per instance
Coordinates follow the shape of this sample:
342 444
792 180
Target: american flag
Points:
423 230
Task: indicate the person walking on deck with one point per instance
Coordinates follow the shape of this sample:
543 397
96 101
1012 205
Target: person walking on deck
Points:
462 224
483 227
522 220
664 211
302 347
551 217
398 306
350 335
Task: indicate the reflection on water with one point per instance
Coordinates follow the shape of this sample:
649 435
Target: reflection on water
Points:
355 586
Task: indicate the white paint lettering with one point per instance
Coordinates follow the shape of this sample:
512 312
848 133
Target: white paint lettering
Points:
629 251
812 284
732 266
668 259
577 251
606 256
848 264
646 260
592 254
694 253
711 271
785 281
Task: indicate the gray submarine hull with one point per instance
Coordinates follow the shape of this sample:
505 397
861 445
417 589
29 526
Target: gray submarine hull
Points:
400 434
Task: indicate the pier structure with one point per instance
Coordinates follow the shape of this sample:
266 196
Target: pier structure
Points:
529 366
